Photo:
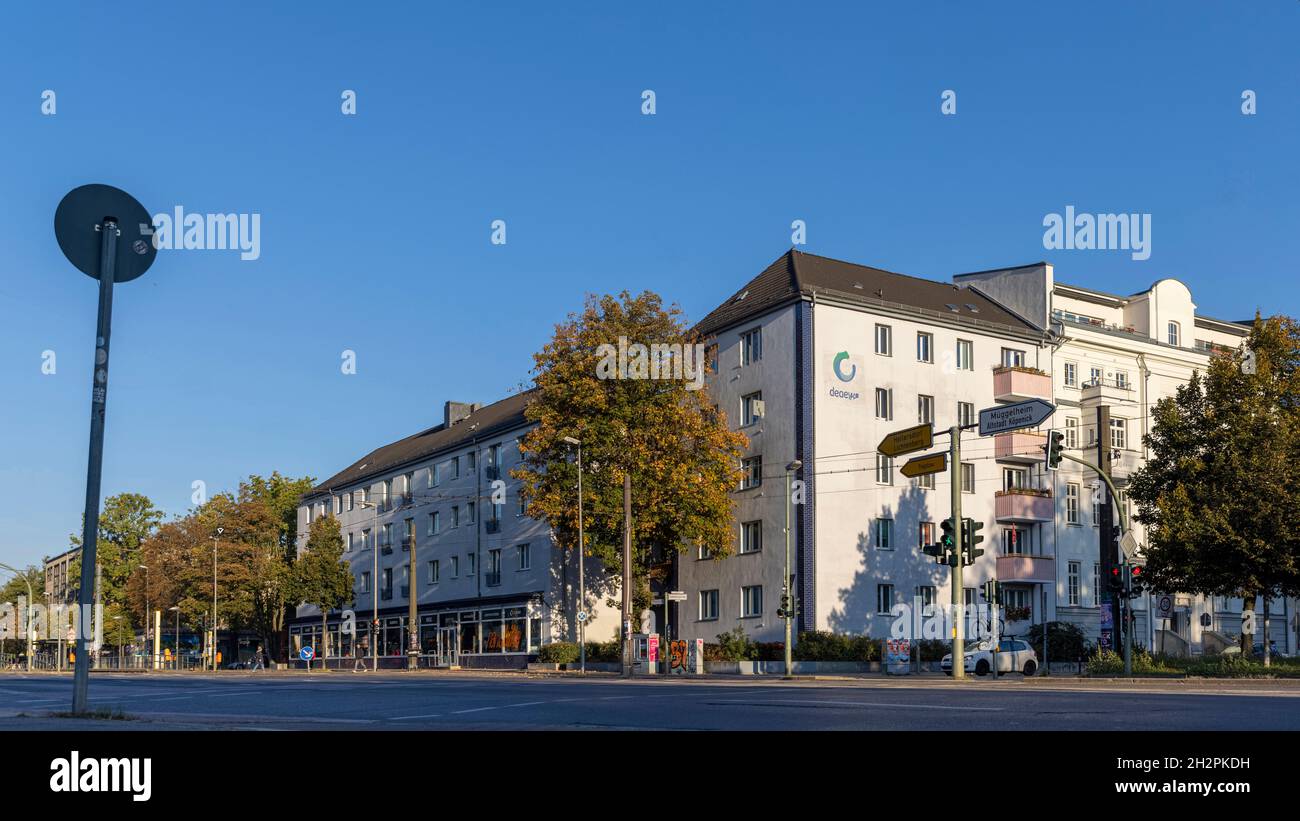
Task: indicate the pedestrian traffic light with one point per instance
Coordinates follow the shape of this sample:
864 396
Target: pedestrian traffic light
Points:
1115 582
969 538
1135 581
990 592
935 550
1055 444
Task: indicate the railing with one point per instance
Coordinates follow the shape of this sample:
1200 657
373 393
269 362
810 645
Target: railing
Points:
492 525
492 473
385 548
492 579
1123 385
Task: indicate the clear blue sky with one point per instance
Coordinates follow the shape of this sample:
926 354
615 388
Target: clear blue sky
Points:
375 228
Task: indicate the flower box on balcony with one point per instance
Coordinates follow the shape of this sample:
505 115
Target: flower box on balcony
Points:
1018 369
1024 491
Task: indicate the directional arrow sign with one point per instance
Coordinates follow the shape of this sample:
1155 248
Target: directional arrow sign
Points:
923 465
907 440
1002 418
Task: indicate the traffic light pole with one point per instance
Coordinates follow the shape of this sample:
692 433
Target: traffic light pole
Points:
958 593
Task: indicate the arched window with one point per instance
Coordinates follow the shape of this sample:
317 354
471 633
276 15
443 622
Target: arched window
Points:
1174 335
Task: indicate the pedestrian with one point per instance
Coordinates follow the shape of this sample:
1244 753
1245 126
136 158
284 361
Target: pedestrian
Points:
257 659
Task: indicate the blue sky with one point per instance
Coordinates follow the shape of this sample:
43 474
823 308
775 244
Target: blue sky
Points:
375 229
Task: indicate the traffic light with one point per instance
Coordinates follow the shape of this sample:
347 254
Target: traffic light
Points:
989 590
1055 444
783 612
1135 581
935 550
1115 583
969 538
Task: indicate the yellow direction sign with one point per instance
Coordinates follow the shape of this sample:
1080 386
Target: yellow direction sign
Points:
923 465
907 440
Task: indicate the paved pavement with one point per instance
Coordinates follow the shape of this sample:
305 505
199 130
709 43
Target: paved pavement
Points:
447 700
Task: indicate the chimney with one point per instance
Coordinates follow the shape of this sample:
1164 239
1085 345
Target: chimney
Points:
453 412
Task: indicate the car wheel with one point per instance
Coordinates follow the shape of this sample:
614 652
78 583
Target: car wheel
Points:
1030 667
982 667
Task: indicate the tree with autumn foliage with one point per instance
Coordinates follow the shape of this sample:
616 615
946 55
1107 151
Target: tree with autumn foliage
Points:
1220 493
666 433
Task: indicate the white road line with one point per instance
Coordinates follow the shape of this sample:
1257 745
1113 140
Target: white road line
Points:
406 718
891 705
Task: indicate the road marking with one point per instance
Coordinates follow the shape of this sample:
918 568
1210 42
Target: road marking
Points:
405 718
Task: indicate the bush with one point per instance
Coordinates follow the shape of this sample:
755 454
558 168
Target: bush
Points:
559 652
1065 641
605 651
1107 663
736 645
933 649
821 645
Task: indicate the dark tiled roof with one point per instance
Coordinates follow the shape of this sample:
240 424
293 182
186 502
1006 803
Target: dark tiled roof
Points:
795 274
484 422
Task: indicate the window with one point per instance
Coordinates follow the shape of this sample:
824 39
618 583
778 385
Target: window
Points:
408 533
926 481
752 469
433 475
1121 379
1094 376
1072 374
1118 433
455 467
885 534
435 523
1072 584
1013 358
365 581
884 598
708 605
924 347
751 602
525 557
967 477
338 505
469 564
1071 433
387 538
387 590
1013 478
408 485
470 507
1172 331
493 572
884 340
926 593
751 346
702 552
751 408
925 534
455 515
965 413
387 498
968 596
965 355
924 409
351 499
884 470
455 566
1096 584
522 510
1071 503
1016 597
884 403
1016 541
1096 506
365 539
351 541
751 537
433 572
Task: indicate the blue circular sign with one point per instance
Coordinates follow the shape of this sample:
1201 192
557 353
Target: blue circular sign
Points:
307 654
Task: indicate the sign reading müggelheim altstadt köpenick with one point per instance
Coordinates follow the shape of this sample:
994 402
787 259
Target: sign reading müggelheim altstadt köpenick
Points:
1013 417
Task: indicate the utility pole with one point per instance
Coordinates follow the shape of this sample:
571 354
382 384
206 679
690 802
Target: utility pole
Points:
220 530
958 593
1108 547
412 618
788 607
627 575
581 615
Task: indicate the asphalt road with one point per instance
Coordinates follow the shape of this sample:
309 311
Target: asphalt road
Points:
513 702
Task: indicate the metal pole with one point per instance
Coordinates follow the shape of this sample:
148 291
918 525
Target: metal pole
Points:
582 577
628 656
177 649
789 656
374 590
28 614
214 604
958 594
95 463
412 614
147 643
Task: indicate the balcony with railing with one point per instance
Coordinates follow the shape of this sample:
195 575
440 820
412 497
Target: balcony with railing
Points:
1106 392
1123 464
1015 383
1019 446
1021 568
1022 504
385 548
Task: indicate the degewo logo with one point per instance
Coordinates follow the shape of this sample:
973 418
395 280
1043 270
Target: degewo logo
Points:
837 365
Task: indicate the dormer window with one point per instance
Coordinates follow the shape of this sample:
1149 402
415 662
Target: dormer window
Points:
1173 333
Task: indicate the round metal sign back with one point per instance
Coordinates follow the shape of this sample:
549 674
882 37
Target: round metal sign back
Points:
76 223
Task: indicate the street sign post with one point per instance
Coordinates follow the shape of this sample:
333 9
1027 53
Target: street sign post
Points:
676 595
924 465
1003 418
107 235
907 440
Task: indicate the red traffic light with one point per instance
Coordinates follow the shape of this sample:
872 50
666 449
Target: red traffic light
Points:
1137 571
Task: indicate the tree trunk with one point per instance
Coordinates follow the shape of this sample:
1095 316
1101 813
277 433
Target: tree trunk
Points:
1267 655
1247 639
324 634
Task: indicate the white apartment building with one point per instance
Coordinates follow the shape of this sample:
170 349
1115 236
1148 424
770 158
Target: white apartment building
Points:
819 359
490 586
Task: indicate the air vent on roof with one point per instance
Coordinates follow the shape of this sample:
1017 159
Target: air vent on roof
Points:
880 293
953 308
742 296
972 308
858 285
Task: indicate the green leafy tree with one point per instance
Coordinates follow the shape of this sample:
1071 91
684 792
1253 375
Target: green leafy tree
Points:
671 439
126 520
13 591
273 576
321 577
1220 493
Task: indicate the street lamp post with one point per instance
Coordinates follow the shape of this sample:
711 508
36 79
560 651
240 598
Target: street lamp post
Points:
374 586
177 648
220 530
790 470
582 577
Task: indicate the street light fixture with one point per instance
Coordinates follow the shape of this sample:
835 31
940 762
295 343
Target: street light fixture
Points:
582 579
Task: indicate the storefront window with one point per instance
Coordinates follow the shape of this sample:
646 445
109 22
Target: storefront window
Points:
514 634
492 637
469 632
534 635
428 636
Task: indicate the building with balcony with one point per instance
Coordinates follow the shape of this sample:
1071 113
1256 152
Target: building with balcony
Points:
490 586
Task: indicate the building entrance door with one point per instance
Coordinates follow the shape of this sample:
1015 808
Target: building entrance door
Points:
447 647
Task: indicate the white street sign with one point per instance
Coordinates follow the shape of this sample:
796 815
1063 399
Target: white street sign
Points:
1002 418
676 595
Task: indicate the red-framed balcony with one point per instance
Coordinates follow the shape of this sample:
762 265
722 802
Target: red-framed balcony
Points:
1024 505
1014 383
